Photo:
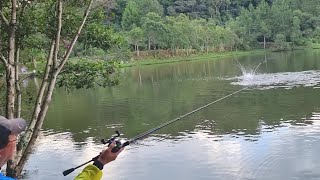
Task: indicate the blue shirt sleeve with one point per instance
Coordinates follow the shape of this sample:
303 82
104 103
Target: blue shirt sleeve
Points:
2 177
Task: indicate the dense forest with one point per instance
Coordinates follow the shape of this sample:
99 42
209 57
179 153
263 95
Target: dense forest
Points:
214 25
120 29
219 24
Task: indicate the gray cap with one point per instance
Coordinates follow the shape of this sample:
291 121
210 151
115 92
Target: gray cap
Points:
16 126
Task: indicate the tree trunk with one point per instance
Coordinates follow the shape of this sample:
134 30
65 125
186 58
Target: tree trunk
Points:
10 70
140 79
10 73
149 44
11 91
34 61
18 107
264 42
42 106
57 40
138 51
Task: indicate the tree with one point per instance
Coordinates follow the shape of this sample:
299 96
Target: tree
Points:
136 10
247 21
296 35
58 55
281 16
180 33
131 16
135 38
216 6
148 6
263 21
154 29
174 34
280 41
100 36
238 32
316 35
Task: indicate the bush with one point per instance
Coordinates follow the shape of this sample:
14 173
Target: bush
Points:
281 43
87 74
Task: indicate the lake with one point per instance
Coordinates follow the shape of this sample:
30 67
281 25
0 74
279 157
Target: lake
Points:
271 130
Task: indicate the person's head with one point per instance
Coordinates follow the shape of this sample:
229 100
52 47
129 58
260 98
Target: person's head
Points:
9 129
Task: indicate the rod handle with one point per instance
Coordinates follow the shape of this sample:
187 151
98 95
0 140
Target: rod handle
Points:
66 172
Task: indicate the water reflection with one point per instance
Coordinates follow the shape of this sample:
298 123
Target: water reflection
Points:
261 133
287 153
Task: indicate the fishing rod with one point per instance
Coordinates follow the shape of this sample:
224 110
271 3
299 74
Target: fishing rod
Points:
119 145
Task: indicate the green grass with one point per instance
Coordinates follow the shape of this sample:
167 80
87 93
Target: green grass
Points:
194 57
315 46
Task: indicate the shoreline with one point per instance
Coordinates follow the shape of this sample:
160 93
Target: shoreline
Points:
197 57
194 57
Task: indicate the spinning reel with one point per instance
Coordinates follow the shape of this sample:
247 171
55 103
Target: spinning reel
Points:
118 146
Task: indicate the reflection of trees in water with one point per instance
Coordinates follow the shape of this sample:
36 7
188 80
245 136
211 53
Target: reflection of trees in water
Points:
274 62
167 91
244 114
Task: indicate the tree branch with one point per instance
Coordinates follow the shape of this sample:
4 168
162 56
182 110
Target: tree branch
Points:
3 60
65 58
4 19
57 40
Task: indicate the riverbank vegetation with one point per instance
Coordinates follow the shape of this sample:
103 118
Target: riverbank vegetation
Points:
126 30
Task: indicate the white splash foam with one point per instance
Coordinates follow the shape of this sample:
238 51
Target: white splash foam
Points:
283 79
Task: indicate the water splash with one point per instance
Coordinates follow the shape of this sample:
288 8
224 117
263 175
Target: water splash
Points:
286 80
248 74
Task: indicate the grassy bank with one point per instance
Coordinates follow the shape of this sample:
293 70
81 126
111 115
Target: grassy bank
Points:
210 56
193 57
315 46
151 61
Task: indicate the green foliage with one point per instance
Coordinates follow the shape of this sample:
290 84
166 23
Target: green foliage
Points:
136 35
281 16
280 41
154 29
136 10
116 27
119 53
87 74
316 35
296 35
93 52
100 36
131 16
148 6
2 70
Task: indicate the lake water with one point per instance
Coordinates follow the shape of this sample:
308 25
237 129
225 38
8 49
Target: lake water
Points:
269 131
